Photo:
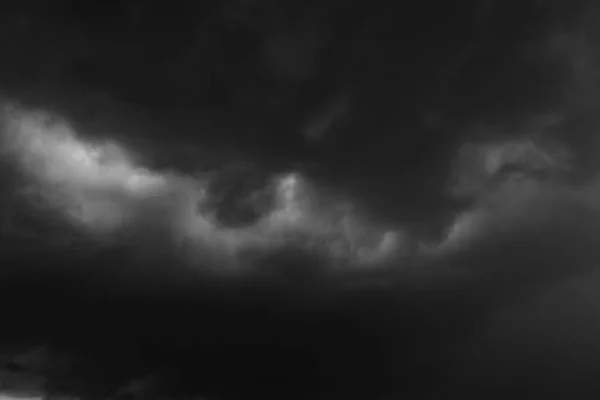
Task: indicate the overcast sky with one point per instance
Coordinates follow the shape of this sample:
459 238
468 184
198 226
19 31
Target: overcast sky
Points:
248 199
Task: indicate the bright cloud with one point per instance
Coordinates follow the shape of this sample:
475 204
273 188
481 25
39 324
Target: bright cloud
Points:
100 187
97 185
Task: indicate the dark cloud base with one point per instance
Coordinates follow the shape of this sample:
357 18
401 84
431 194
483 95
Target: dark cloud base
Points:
394 332
289 330
247 338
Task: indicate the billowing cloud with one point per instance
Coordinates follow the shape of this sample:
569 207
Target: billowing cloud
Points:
480 165
102 187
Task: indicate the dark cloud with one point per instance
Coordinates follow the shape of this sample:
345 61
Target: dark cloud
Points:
162 246
289 324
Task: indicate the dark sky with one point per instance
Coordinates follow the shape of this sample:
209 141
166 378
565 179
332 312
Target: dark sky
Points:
407 81
299 200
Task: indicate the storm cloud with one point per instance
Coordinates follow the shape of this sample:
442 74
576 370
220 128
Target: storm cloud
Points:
414 233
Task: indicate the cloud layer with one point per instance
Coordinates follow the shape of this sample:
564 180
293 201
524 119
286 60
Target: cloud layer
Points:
98 186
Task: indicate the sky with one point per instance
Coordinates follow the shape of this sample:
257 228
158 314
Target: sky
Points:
244 199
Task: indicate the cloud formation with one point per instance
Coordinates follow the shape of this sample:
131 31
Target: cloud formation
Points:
397 306
101 187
